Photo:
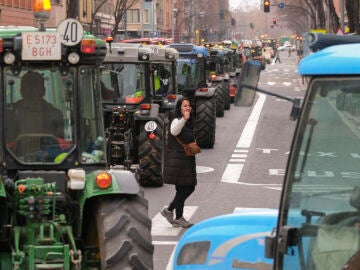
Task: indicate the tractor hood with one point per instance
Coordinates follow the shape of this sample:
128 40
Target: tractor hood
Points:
234 241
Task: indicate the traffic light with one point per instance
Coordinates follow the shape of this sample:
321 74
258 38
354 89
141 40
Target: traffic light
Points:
266 5
274 20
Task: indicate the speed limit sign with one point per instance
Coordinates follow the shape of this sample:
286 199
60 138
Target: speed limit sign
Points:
71 32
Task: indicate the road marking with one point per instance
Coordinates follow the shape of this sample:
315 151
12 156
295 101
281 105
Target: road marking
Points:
238 156
233 172
249 129
241 150
165 243
255 211
277 172
257 184
160 226
267 150
203 169
236 160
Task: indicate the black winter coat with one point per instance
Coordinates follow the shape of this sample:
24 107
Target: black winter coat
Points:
179 168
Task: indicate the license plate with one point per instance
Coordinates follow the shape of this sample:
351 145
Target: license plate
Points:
41 46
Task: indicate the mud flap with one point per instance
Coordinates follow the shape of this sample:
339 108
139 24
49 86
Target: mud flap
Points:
250 74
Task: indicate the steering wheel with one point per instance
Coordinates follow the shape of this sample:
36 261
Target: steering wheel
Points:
38 147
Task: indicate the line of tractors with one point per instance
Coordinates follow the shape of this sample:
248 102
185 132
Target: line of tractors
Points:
84 124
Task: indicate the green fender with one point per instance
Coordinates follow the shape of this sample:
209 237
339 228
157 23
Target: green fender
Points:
123 182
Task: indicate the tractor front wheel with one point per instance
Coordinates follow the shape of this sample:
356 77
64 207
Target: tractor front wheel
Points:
124 233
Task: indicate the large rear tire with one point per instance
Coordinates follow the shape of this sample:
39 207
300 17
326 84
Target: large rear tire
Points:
219 96
124 233
226 93
205 124
151 156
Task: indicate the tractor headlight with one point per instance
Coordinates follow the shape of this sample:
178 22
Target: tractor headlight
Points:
73 58
76 179
9 58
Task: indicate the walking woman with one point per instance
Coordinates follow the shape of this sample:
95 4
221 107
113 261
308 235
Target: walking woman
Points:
180 170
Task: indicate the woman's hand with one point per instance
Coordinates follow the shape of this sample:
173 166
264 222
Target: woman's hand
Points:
186 109
186 114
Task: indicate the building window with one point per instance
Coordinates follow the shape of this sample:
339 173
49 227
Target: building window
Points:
25 4
133 16
56 2
146 16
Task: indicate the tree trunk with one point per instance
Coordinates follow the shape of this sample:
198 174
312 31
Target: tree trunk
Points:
321 14
334 18
72 10
356 17
94 14
349 5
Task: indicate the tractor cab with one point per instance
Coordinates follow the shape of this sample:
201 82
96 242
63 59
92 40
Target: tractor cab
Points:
190 67
51 119
320 209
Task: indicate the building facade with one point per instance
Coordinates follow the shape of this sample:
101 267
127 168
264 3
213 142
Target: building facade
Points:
183 20
20 13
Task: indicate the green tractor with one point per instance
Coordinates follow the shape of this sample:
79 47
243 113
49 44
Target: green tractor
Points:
62 205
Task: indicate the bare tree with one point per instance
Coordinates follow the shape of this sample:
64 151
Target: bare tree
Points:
72 9
352 10
94 14
121 8
334 18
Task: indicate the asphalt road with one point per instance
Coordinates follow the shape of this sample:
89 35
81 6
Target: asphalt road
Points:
246 166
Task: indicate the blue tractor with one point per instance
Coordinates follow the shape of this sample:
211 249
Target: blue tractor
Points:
317 223
192 82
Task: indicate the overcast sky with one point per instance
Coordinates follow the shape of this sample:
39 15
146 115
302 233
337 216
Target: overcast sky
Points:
243 3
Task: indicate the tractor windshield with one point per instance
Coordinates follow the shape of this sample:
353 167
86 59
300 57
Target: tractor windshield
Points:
162 77
40 114
323 200
123 83
190 73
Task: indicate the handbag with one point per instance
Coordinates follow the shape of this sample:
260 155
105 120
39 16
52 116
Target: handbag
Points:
190 149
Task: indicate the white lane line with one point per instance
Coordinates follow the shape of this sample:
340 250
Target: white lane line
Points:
277 171
233 172
241 151
255 211
238 155
165 243
160 226
249 129
237 160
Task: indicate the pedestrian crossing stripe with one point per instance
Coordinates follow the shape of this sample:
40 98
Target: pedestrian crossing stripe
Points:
160 226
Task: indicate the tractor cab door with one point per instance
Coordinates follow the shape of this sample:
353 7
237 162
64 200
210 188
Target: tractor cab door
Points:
319 219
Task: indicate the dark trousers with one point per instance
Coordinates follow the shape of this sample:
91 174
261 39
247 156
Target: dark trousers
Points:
182 192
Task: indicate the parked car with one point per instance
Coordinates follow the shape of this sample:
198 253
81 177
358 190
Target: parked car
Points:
286 47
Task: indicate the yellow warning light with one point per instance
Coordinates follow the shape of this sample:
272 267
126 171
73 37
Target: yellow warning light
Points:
42 10
42 6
